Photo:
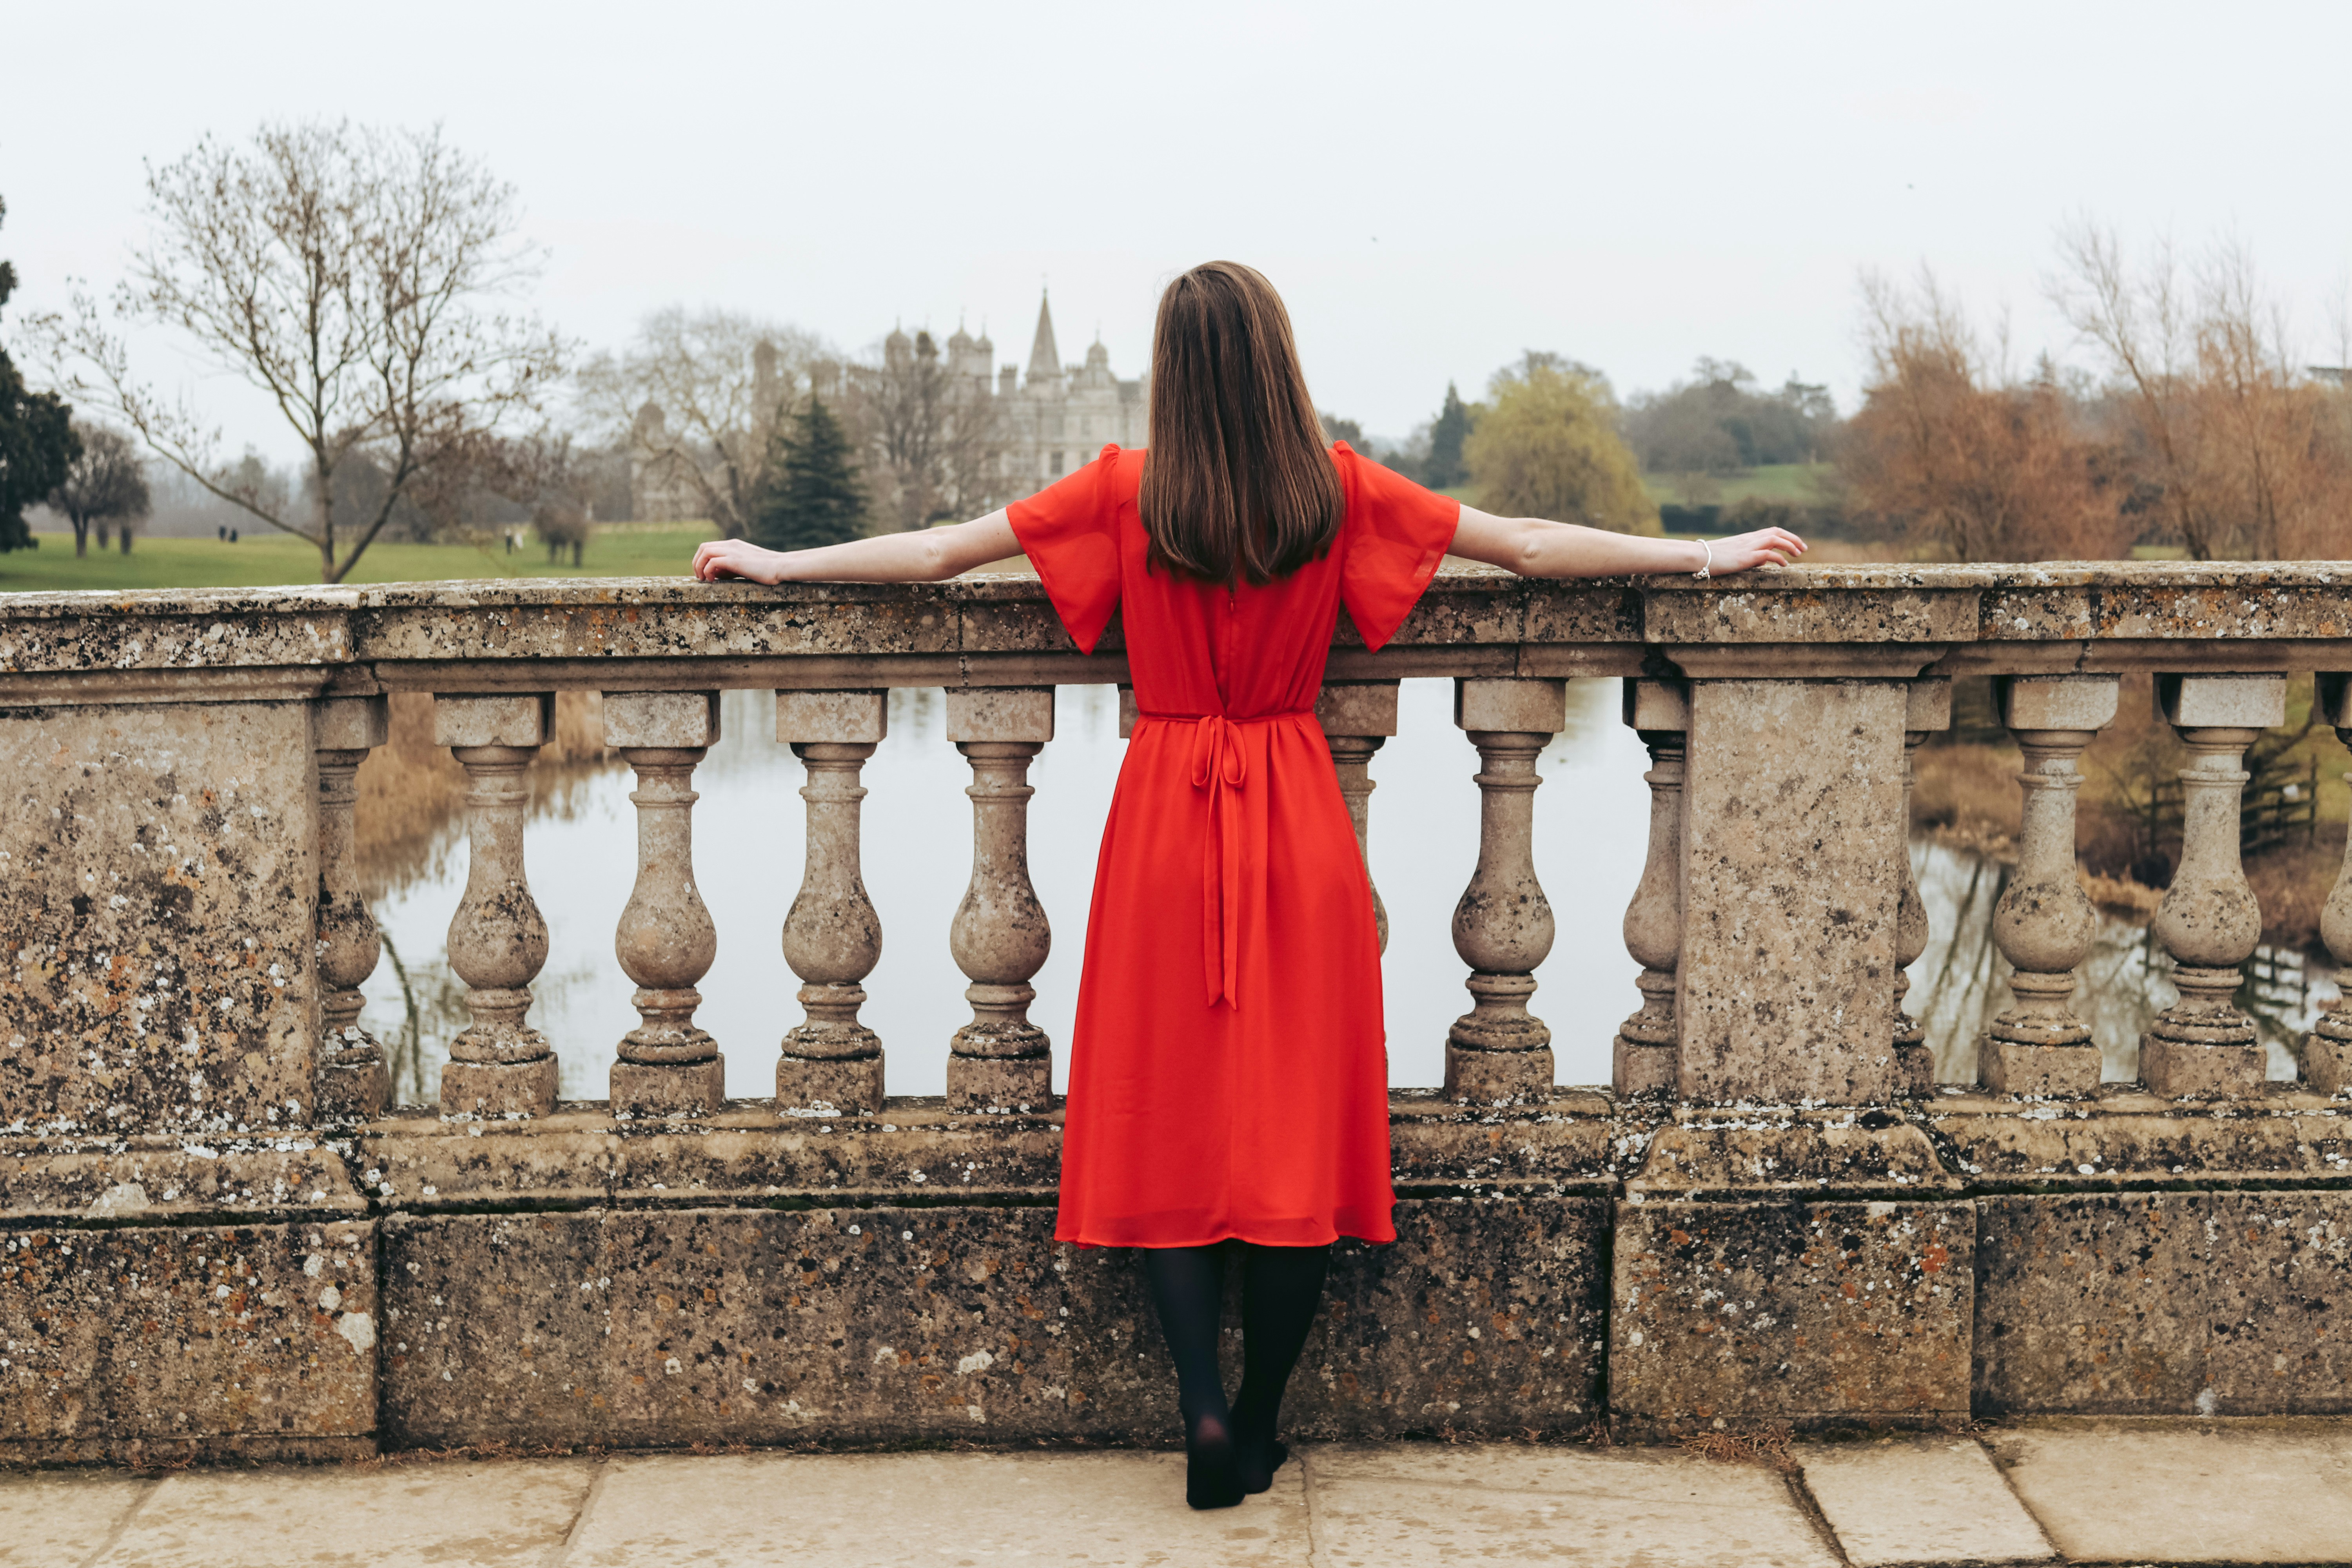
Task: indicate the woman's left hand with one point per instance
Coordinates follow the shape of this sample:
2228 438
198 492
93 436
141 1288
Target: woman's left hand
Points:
724 558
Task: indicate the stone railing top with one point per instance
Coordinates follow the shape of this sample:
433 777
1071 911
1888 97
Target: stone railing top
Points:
1876 620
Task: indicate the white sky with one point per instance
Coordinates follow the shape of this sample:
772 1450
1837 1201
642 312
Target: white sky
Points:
1432 186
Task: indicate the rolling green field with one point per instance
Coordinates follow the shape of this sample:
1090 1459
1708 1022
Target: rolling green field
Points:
1791 483
619 550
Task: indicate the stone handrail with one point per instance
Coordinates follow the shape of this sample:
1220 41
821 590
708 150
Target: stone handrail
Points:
208 1215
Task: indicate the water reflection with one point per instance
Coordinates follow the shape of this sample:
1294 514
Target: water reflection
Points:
1961 981
1590 835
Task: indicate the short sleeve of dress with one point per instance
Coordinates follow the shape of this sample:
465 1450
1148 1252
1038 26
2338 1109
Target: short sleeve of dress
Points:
1069 530
1396 535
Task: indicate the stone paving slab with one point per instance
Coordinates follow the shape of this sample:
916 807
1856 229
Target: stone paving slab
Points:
882 1511
2268 1492
485 1515
62 1516
1903 1501
1402 1505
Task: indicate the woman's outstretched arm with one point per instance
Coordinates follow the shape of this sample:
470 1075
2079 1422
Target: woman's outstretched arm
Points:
1534 548
931 555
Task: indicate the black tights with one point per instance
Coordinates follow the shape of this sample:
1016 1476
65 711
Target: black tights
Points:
1231 1448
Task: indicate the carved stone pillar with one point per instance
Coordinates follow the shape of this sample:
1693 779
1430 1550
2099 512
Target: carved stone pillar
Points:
1643 1055
2203 1047
1502 925
2328 1050
498 1065
1928 709
1000 1061
2044 923
665 940
832 1063
1357 716
349 1082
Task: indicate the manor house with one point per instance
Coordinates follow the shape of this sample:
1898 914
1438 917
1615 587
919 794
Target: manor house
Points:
1054 420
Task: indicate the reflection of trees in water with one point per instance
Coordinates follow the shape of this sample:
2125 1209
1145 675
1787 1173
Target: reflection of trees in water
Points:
1961 983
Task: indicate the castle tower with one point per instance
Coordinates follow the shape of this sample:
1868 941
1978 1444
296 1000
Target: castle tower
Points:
1044 357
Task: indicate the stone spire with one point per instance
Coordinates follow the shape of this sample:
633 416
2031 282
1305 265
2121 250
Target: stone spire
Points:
1044 358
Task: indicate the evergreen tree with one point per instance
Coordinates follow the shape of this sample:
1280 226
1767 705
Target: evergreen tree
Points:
809 494
37 439
1445 468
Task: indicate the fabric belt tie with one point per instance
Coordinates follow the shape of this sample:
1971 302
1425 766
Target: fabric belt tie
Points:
1220 766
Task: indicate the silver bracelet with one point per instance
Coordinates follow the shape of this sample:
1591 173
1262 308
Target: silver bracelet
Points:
1708 570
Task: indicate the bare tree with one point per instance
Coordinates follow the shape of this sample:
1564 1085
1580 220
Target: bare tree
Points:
928 434
1973 462
103 488
357 279
695 400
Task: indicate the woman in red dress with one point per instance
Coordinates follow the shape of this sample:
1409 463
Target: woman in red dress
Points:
1228 1069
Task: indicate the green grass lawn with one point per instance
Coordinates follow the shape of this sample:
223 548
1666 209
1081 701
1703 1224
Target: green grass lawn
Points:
1791 483
617 549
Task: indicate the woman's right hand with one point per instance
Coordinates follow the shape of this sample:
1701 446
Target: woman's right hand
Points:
722 558
1765 547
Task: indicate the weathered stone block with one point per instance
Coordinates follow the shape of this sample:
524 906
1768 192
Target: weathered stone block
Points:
1640 1068
2182 1070
1928 705
1523 707
2222 701
178 1334
807 1086
2056 701
2327 1064
2050 1072
1020 1084
2165 1304
349 724
677 719
525 719
1792 869
669 1088
158 925
1656 705
999 713
842 718
1353 707
1816 1314
499 1089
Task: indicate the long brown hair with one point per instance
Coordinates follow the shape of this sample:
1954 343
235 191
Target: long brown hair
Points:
1238 485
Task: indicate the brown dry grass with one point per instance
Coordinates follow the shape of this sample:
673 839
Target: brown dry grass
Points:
410 790
1764 1446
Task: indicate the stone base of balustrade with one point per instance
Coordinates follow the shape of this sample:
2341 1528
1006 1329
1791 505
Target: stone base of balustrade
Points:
2326 1064
351 1092
1915 1069
825 1086
1473 1077
650 1089
2184 1069
1001 1085
499 1089
1640 1068
2038 1071
423 1282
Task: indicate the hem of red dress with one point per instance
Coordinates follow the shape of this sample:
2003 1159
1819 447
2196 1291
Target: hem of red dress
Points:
1238 1233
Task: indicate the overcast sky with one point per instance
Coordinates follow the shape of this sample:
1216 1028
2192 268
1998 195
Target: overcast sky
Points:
1432 186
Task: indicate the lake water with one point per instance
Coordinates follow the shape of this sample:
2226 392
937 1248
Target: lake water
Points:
1592 826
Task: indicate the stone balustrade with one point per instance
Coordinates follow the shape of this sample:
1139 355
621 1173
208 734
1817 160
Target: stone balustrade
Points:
191 1099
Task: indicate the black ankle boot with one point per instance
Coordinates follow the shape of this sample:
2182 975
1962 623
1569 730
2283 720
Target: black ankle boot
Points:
1257 1453
1211 1479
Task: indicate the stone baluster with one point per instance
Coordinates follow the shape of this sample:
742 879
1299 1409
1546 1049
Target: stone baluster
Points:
665 940
2328 1050
2044 923
1357 716
1125 712
498 1065
1928 709
1502 925
1643 1055
831 1064
2201 1047
1000 1061
348 1083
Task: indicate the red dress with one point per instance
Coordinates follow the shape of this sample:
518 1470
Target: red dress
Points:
1228 1065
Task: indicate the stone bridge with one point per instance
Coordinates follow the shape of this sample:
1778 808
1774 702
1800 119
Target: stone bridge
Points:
216 1238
